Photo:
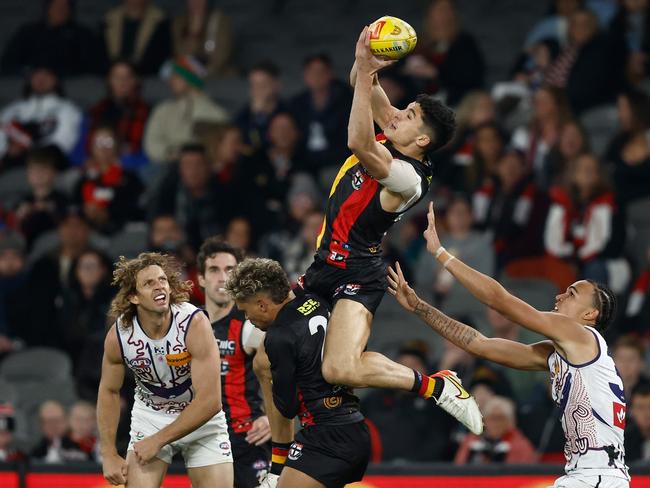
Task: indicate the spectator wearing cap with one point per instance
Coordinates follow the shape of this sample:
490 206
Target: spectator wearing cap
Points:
123 109
501 442
8 451
39 210
138 32
206 34
43 112
322 111
263 104
107 192
56 40
14 299
173 122
392 439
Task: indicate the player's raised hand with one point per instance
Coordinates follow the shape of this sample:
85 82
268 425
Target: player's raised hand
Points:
114 468
400 289
260 432
146 449
430 234
366 61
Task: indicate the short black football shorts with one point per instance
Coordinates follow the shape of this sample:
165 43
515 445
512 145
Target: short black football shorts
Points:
366 286
334 455
250 461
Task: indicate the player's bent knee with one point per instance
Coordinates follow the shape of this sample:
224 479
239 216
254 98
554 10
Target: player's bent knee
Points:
337 373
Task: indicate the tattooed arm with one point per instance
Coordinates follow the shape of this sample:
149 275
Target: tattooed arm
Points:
502 351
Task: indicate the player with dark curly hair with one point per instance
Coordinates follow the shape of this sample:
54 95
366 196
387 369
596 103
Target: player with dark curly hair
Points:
584 381
169 346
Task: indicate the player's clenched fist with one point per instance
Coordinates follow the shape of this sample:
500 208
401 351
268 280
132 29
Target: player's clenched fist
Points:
114 468
146 449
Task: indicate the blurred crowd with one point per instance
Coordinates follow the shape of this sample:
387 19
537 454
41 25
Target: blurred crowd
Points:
546 180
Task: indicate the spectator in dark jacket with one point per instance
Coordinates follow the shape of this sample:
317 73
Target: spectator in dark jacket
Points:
637 430
447 58
322 112
56 446
55 40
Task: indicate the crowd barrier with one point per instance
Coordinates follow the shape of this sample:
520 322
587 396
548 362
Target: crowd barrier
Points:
88 475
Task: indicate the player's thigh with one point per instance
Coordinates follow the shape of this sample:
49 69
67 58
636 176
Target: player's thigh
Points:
148 475
213 476
348 330
292 478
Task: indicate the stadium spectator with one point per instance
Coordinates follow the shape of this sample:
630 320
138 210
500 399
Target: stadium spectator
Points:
48 276
85 302
225 148
263 104
580 227
172 123
13 298
83 429
55 446
539 419
532 64
447 59
398 87
9 453
629 151
322 111
550 113
139 32
193 196
630 28
589 67
107 193
501 442
239 234
629 355
206 34
123 109
474 246
15 142
166 236
396 440
637 310
299 251
637 430
57 40
39 210
573 141
43 112
511 205
555 25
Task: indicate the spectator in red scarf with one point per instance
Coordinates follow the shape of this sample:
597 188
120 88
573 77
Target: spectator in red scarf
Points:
123 109
579 227
106 191
83 428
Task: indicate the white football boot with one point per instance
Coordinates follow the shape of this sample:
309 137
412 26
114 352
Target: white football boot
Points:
457 402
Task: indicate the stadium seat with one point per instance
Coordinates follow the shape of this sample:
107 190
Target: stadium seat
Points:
130 241
536 292
7 392
601 123
41 364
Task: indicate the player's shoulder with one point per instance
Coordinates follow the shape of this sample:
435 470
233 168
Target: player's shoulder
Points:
301 309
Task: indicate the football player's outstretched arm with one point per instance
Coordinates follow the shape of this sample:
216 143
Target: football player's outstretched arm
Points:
382 110
557 327
502 351
361 133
